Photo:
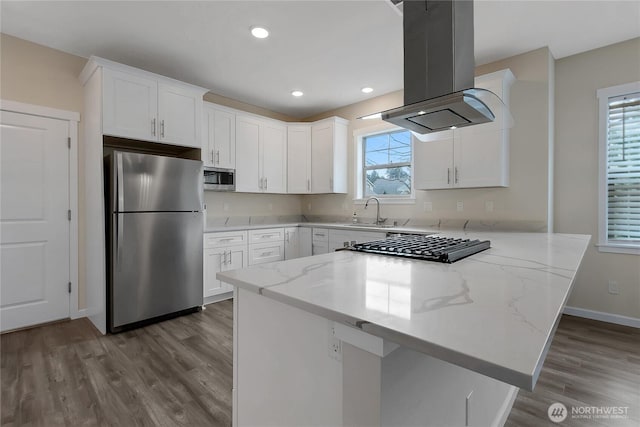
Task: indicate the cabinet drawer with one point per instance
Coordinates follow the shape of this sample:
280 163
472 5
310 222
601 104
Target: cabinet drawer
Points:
320 235
261 253
225 238
266 235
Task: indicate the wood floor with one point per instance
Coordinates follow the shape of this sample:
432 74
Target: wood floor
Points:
179 372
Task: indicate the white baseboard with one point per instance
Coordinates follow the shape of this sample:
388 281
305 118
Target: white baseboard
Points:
618 319
78 314
218 298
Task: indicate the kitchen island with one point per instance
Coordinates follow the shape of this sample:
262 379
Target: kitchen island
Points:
348 338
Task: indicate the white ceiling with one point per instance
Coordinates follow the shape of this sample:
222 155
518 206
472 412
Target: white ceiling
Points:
328 49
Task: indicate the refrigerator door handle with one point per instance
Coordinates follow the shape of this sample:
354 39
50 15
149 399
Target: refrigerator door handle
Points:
120 184
119 238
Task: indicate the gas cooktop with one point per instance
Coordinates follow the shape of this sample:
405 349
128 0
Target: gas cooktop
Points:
429 248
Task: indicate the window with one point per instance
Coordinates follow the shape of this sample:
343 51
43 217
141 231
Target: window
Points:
386 165
620 169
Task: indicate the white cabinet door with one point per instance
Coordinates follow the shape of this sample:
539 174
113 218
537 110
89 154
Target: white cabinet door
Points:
433 162
299 159
179 113
224 135
221 259
273 144
322 158
213 258
218 138
130 105
262 253
248 177
305 241
481 158
291 243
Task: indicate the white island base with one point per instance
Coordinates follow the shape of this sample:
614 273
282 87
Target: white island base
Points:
294 368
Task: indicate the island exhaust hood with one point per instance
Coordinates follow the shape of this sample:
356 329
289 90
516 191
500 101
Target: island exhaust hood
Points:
439 69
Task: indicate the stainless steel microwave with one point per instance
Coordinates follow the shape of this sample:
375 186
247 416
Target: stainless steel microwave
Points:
217 179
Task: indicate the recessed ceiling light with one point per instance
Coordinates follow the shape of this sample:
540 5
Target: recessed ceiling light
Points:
297 93
259 32
367 89
421 112
453 127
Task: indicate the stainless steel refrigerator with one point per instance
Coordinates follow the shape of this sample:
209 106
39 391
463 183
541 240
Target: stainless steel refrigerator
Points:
154 234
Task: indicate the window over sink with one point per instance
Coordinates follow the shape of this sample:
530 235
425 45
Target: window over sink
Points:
385 165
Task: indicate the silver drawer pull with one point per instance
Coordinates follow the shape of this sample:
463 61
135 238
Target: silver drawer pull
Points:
264 254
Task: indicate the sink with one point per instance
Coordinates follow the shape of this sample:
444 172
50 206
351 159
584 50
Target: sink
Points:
372 225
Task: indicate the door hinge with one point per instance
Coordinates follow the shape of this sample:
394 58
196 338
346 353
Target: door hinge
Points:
69 287
69 142
69 214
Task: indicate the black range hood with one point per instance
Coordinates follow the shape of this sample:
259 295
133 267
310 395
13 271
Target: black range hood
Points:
439 69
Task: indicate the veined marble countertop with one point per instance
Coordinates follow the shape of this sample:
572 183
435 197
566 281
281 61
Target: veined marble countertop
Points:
494 312
336 226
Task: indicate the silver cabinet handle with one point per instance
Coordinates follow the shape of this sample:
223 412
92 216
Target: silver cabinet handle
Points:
217 157
153 127
286 236
263 254
308 185
448 175
230 258
456 174
211 156
220 260
266 183
162 128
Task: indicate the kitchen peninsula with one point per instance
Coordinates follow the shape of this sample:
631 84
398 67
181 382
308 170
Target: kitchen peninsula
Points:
348 338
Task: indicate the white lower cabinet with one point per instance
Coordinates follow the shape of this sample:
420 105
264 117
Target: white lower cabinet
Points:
266 245
292 242
319 241
222 251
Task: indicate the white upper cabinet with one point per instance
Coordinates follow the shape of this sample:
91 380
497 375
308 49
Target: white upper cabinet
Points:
248 174
179 113
299 158
474 156
218 137
273 145
329 156
140 105
261 155
130 106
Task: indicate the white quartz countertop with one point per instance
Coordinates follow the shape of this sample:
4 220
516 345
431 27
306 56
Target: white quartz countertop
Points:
335 226
494 312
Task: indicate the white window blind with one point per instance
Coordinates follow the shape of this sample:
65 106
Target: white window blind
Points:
623 169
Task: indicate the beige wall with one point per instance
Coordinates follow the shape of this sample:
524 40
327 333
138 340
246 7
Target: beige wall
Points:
526 197
39 75
576 185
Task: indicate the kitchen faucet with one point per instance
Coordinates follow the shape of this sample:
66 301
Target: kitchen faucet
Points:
379 221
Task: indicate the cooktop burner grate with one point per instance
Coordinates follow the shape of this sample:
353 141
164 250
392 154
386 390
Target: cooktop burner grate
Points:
430 248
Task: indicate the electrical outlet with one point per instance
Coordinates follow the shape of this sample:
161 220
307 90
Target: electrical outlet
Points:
225 207
613 287
488 206
428 206
460 206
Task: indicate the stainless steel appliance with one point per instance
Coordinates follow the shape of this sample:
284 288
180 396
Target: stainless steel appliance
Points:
154 234
428 248
218 179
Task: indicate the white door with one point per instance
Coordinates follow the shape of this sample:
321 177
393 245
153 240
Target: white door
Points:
299 159
130 106
274 157
480 157
179 112
34 224
213 258
291 243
